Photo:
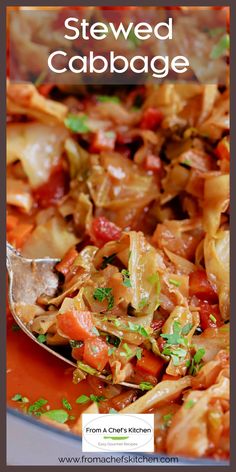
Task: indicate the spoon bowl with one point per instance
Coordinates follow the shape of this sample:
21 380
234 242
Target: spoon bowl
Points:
28 279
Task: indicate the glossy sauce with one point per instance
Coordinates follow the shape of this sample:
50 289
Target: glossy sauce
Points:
35 373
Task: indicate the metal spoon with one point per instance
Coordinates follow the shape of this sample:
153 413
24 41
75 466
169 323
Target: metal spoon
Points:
28 279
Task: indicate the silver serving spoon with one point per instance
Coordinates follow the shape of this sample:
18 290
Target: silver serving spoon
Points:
28 279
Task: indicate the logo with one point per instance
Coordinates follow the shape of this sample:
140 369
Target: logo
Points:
120 433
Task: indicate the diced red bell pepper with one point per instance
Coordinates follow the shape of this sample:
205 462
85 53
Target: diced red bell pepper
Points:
200 286
77 353
103 141
54 189
152 163
95 353
103 231
76 325
151 119
149 363
223 149
210 316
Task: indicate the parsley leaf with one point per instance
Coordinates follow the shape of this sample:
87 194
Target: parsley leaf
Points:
66 404
146 386
82 399
108 260
36 406
127 351
108 98
175 337
186 329
102 294
61 416
189 404
77 123
126 278
175 282
139 353
221 47
18 398
97 399
41 338
195 364
167 419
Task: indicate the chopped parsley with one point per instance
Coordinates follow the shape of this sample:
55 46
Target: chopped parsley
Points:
66 404
93 398
127 351
167 419
175 282
176 353
86 368
137 329
41 338
139 353
19 398
108 260
174 338
126 278
108 98
74 343
221 47
145 386
36 407
212 318
195 364
77 123
186 329
61 416
102 294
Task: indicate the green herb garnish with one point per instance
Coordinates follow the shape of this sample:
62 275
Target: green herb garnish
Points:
175 282
108 98
145 386
19 398
221 47
175 337
82 399
36 406
195 364
93 398
127 351
186 329
212 318
126 278
102 294
139 353
167 419
66 404
61 416
86 368
77 123
41 338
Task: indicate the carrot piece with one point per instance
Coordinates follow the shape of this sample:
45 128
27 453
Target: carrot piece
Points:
11 222
95 353
64 265
77 325
19 234
149 363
